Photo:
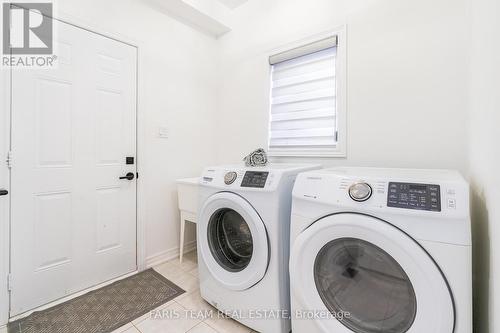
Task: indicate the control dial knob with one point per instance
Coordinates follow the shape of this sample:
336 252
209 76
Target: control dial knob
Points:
360 191
230 177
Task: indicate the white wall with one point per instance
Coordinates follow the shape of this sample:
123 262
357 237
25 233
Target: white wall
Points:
485 161
176 90
406 68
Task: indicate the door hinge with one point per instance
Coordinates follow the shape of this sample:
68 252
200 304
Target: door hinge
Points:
9 159
137 175
9 282
336 136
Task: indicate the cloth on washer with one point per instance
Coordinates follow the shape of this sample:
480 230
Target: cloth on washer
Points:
256 158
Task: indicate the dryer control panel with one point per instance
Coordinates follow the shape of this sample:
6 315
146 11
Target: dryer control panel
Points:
414 196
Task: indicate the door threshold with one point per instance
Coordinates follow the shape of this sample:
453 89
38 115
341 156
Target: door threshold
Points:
67 298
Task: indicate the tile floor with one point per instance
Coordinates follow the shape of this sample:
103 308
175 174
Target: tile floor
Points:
189 305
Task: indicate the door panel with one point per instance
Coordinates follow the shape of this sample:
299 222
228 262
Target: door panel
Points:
73 219
108 217
53 100
109 135
52 225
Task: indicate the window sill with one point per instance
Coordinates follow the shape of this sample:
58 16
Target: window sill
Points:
307 153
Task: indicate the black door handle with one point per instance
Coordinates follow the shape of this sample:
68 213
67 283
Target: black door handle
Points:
3 192
128 176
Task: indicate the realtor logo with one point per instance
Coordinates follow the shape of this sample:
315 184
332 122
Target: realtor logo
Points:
28 35
27 28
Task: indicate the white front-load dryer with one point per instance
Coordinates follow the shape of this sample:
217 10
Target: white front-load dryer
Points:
243 235
381 250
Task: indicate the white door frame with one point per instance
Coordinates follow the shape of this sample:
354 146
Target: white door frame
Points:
5 142
4 201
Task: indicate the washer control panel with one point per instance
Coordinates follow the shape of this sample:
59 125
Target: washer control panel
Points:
414 196
256 179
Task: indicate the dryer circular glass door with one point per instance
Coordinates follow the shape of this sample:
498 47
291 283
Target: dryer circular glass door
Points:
233 241
370 277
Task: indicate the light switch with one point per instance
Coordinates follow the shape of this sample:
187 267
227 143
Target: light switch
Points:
163 132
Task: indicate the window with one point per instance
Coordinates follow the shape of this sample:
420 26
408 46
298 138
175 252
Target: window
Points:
307 117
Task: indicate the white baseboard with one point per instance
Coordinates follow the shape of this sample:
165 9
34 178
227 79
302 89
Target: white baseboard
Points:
170 254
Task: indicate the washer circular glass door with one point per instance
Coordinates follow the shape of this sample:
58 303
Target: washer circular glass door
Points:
233 241
370 277
230 240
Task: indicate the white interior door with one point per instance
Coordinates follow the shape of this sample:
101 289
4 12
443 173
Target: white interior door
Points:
73 220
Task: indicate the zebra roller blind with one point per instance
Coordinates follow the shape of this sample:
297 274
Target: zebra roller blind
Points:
303 98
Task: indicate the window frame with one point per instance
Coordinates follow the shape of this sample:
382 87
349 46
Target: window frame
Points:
340 150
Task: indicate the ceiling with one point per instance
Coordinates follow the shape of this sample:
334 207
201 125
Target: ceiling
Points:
232 3
213 17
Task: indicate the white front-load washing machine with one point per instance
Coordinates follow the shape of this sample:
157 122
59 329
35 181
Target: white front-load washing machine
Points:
381 250
243 236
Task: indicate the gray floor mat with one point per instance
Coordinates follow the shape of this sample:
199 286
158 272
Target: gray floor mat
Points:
102 310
